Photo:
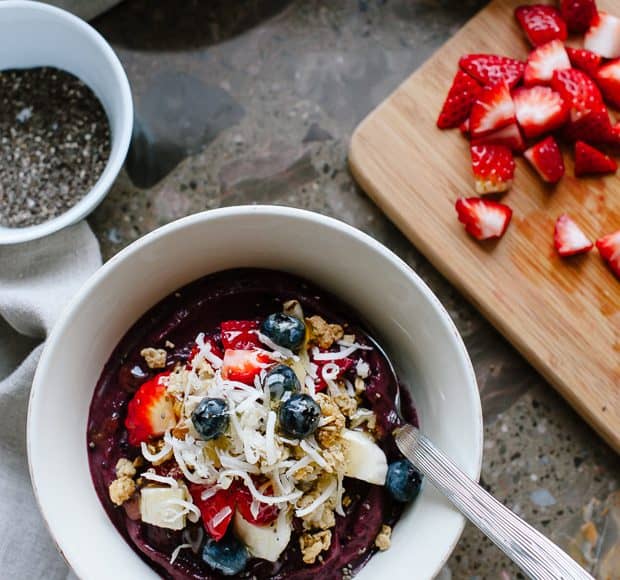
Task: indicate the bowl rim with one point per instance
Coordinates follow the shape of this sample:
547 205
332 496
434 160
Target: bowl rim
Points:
121 138
259 209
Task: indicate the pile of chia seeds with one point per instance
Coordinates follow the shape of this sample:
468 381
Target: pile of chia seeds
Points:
54 144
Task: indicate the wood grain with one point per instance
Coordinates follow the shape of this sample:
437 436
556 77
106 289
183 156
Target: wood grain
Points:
563 315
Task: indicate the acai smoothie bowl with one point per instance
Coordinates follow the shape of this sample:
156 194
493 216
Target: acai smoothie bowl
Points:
222 408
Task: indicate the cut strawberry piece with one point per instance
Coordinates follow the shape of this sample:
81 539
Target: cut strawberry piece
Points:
343 364
493 167
578 14
509 136
541 23
609 249
457 105
608 79
243 365
589 160
150 412
544 61
578 91
266 513
595 127
491 69
569 239
539 110
217 510
237 334
483 219
584 60
546 159
492 110
214 347
603 36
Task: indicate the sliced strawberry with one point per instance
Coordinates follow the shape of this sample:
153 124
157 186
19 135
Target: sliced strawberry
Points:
491 69
457 105
541 23
243 365
544 61
595 127
584 60
578 14
568 238
608 79
266 513
609 249
217 511
493 167
343 364
492 110
539 110
509 136
589 160
150 412
236 334
603 36
215 349
578 91
546 159
483 219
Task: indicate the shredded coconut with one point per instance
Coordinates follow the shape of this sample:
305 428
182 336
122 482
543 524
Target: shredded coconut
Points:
327 493
152 476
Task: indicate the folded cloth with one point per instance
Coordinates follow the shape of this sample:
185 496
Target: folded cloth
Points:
37 279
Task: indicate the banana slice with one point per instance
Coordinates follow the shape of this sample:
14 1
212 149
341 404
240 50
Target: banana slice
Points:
266 542
162 507
364 459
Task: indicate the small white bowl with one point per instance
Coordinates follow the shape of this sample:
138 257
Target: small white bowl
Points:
409 320
33 34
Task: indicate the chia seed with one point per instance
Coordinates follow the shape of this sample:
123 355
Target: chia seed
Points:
54 144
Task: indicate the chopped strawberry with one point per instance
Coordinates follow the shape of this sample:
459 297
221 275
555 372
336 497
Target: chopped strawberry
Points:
483 219
589 160
266 513
608 79
236 334
214 348
343 364
509 136
493 167
609 249
578 91
578 14
546 159
457 105
544 61
568 238
584 60
492 110
243 365
595 127
539 110
603 36
217 511
150 412
490 69
541 23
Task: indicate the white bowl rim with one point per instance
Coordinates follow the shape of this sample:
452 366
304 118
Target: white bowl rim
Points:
259 209
116 160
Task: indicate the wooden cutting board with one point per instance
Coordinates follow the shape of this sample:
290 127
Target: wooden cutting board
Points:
563 315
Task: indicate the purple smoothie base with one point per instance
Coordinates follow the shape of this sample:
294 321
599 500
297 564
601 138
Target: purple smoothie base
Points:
201 307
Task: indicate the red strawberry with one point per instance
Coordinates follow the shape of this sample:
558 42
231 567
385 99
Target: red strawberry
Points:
546 159
483 219
584 60
589 160
493 168
542 62
217 511
608 79
539 110
492 110
541 23
578 14
343 364
243 365
215 349
150 412
490 69
603 36
595 127
568 237
236 334
578 91
266 513
509 136
457 105
609 249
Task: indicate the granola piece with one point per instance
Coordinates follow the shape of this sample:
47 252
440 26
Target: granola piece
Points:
313 544
346 501
176 381
307 474
169 344
360 385
204 370
347 403
362 416
293 308
180 431
121 489
322 333
334 456
155 357
125 468
333 421
155 447
383 541
321 518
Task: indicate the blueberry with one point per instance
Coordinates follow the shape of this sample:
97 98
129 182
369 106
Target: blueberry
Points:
210 418
284 330
403 481
228 556
280 379
299 416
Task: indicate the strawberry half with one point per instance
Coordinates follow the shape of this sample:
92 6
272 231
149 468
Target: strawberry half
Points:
483 219
578 91
541 23
546 159
493 167
237 334
150 413
492 110
609 249
539 110
584 60
608 79
568 238
543 62
457 105
243 365
217 511
589 160
491 69
578 14
509 136
603 36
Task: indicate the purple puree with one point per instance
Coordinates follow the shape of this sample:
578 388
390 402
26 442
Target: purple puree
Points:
200 307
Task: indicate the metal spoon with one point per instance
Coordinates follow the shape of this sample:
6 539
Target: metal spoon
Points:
535 554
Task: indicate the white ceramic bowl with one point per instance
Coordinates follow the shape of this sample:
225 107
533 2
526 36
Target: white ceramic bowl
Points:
34 34
412 324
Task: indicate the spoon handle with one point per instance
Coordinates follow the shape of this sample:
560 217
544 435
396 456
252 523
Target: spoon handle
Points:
535 554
